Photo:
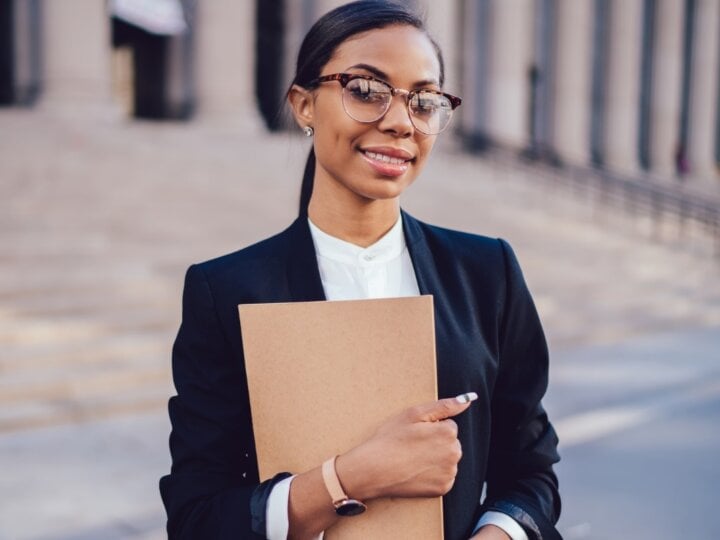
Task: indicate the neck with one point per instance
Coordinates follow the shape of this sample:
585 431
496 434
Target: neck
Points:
360 221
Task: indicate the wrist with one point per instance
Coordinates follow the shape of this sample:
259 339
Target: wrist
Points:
491 532
343 503
352 472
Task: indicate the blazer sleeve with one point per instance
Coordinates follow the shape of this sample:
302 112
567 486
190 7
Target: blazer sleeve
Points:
523 446
212 490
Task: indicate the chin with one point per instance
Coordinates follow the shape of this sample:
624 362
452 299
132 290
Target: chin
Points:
383 193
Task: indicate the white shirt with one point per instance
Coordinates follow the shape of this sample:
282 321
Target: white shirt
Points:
350 272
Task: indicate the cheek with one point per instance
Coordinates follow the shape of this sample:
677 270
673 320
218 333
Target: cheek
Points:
334 144
335 147
335 128
426 147
339 140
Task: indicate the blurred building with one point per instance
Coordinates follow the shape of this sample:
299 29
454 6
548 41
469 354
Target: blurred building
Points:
622 85
627 85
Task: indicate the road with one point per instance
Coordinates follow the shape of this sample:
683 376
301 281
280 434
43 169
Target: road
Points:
99 217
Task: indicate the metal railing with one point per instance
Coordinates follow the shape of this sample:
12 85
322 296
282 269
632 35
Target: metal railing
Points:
666 201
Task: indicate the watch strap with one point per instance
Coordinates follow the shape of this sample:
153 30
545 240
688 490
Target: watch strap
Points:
332 482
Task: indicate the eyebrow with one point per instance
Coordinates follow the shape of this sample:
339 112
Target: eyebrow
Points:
380 74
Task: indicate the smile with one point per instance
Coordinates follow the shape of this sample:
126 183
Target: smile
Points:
385 164
385 158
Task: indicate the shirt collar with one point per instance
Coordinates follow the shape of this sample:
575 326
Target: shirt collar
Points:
390 246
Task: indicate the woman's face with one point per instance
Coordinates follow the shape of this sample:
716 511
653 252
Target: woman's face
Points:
354 156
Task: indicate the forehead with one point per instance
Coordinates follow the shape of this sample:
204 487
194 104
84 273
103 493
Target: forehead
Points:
405 53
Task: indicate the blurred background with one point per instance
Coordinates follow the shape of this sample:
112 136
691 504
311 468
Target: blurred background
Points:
140 136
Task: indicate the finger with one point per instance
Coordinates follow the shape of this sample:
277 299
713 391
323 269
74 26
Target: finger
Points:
467 397
443 408
451 426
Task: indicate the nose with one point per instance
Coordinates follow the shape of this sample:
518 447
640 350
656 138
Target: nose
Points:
397 118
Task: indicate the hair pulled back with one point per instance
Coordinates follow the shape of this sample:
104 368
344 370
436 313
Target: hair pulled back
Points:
328 33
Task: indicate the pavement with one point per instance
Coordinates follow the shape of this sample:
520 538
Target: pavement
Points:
100 217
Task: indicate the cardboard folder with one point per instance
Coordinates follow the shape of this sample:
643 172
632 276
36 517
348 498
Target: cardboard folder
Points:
323 376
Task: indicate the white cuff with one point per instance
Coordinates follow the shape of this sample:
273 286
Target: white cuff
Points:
277 522
511 527
276 511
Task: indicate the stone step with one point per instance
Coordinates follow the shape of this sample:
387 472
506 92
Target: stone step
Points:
71 359
40 414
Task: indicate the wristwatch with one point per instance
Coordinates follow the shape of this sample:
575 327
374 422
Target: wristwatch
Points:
344 505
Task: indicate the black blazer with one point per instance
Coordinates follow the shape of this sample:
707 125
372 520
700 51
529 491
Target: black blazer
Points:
489 340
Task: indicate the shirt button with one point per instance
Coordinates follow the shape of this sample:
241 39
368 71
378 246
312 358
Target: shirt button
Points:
368 257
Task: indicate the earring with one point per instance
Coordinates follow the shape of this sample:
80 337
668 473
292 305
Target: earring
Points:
309 131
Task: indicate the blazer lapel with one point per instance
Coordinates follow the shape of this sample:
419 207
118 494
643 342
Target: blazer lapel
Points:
422 259
430 282
304 275
302 269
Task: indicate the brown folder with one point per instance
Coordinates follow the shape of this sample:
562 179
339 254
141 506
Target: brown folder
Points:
323 375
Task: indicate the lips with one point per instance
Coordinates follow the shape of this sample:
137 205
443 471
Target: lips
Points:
385 158
387 161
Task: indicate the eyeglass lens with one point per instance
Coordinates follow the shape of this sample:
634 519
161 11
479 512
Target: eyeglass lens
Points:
367 100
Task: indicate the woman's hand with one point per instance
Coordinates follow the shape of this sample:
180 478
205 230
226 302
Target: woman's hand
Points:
414 454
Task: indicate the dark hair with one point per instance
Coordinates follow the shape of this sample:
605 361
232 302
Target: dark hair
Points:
328 33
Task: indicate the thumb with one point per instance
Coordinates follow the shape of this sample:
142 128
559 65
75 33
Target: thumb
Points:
442 408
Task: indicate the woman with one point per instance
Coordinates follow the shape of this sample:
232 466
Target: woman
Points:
368 90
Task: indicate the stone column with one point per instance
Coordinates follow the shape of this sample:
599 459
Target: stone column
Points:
474 25
623 85
573 80
323 6
225 63
667 85
27 51
76 52
511 24
704 90
443 19
300 15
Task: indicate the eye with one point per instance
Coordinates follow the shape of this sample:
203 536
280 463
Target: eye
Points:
368 91
428 103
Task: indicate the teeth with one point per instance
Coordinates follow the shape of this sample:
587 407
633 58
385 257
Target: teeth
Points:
384 158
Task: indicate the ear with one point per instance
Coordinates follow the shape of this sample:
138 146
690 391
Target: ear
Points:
302 105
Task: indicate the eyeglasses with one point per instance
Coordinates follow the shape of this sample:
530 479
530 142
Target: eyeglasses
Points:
367 99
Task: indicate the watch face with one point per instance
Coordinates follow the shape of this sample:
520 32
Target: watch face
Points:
349 507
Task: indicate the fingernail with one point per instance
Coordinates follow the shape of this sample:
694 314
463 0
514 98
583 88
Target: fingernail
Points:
466 398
